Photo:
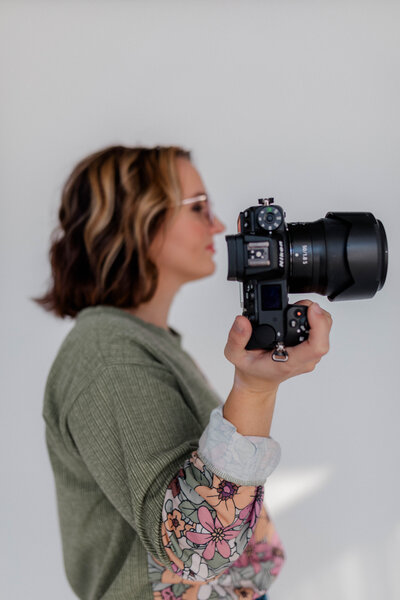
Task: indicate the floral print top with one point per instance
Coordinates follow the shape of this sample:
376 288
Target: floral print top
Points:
217 532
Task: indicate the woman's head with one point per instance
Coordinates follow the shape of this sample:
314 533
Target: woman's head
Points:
118 219
183 249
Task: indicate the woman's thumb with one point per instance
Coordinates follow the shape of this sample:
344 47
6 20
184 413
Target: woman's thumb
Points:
238 337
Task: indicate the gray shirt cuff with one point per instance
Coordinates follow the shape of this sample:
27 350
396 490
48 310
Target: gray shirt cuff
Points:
241 459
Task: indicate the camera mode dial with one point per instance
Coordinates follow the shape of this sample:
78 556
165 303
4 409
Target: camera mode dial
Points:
269 218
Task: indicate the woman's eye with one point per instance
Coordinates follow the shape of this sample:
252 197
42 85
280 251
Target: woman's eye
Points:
197 208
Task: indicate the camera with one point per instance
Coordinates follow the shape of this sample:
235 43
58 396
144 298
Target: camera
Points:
343 256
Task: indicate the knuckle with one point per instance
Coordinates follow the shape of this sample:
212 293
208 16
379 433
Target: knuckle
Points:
227 353
315 355
324 350
320 352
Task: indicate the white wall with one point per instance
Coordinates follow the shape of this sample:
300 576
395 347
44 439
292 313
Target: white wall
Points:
298 100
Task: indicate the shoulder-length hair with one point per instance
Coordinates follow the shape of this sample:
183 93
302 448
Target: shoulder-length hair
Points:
112 205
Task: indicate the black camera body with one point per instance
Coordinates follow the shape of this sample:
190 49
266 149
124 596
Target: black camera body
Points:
343 256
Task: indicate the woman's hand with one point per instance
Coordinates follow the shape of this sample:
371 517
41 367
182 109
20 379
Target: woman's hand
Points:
255 371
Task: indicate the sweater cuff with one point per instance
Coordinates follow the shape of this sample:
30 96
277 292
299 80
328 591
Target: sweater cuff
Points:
245 460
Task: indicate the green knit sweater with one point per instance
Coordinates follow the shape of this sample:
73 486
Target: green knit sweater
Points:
125 407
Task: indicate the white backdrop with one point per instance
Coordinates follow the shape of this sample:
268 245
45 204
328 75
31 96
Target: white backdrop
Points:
298 100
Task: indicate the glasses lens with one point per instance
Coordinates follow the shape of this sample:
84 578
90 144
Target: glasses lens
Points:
210 213
207 210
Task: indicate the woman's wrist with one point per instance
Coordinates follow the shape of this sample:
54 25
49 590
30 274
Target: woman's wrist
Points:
250 407
258 389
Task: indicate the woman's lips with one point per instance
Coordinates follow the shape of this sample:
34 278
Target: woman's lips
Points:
210 247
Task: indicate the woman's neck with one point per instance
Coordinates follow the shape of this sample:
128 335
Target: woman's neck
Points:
156 311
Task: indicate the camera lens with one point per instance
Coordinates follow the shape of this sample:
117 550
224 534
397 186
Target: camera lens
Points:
343 256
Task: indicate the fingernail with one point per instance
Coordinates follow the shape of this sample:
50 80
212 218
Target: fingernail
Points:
316 308
237 327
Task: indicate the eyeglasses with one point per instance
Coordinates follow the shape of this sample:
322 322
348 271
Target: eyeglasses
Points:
208 212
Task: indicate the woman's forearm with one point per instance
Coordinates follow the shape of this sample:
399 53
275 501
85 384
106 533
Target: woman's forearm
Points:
249 410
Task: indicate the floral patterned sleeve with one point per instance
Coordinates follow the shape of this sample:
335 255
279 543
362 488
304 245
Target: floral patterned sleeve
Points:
214 523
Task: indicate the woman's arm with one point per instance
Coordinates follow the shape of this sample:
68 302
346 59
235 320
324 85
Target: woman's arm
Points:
250 405
247 414
251 412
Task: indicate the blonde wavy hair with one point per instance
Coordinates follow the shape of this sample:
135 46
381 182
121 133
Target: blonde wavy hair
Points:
112 205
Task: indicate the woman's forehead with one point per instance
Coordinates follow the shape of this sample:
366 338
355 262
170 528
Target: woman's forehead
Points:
189 178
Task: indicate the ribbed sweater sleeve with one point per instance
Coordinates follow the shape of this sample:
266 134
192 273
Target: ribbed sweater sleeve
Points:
130 427
194 505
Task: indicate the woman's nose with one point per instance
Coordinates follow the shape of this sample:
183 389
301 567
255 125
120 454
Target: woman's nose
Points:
217 226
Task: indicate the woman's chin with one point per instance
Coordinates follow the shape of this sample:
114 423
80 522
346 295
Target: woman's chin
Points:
211 269
204 272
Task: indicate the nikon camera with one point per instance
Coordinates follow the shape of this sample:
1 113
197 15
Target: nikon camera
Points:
343 256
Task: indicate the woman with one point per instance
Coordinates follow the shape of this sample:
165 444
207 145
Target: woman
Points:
159 483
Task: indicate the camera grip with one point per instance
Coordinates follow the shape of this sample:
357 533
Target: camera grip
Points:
262 337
